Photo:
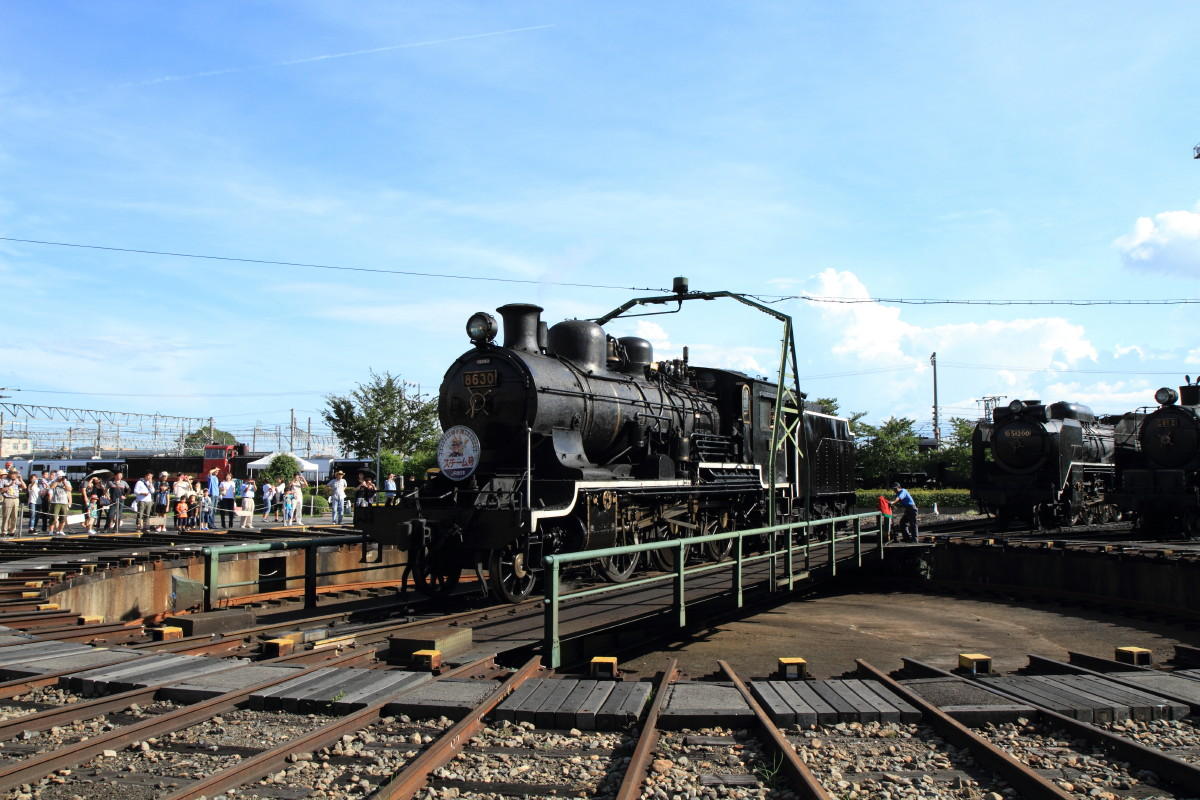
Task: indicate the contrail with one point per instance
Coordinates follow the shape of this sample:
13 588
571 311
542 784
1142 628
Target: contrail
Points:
329 56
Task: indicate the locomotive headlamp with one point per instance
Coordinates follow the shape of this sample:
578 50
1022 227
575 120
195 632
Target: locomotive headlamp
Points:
1015 406
482 327
1165 396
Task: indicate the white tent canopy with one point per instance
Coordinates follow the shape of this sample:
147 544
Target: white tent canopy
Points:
264 462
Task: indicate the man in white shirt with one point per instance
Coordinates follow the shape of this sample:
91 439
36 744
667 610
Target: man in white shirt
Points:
143 501
39 505
227 490
337 497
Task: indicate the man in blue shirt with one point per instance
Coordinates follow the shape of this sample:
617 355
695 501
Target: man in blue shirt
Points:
905 508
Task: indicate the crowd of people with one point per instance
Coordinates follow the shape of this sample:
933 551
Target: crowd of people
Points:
191 502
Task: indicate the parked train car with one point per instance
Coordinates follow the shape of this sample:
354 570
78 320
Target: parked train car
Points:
566 439
227 459
1160 482
1048 465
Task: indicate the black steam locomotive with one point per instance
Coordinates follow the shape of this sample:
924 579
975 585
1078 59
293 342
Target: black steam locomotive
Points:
1161 482
1050 466
566 439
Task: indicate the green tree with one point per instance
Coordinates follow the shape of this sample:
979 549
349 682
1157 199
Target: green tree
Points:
886 448
282 467
384 413
955 453
199 437
826 405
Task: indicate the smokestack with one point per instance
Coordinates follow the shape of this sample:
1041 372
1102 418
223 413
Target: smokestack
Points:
521 326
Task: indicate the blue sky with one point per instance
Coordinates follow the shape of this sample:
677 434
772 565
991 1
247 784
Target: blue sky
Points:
966 150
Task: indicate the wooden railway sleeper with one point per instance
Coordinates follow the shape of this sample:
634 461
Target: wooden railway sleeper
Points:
1171 769
639 762
270 760
415 774
1030 784
39 766
802 779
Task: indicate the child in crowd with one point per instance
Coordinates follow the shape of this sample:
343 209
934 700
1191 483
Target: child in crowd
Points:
289 508
206 511
193 517
181 514
91 512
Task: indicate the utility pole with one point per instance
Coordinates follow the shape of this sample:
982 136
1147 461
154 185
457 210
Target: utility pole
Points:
96 452
378 454
308 451
210 430
937 431
292 434
254 439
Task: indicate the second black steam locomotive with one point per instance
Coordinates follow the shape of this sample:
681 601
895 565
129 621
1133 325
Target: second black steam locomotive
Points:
565 439
1048 465
1160 483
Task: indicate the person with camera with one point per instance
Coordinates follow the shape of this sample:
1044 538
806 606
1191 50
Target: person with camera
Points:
117 488
11 486
60 504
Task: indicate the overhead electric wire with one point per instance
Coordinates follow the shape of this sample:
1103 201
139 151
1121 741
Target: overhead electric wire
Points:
950 301
958 365
765 298
336 267
183 396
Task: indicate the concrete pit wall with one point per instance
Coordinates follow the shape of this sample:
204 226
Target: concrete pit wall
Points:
144 591
1167 585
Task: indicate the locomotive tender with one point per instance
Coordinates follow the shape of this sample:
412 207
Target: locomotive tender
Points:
1048 465
565 439
1161 482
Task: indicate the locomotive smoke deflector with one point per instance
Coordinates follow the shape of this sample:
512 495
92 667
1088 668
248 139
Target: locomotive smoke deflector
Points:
521 326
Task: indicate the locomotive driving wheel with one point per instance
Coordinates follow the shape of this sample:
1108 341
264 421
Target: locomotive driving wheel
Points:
620 568
718 523
665 558
510 573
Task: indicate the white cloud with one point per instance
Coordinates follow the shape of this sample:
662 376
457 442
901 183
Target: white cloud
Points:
875 333
1124 350
870 331
1166 242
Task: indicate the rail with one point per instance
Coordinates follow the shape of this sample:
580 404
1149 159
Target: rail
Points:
784 547
212 564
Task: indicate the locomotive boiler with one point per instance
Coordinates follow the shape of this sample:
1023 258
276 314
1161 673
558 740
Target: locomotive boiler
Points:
564 438
1161 482
1048 465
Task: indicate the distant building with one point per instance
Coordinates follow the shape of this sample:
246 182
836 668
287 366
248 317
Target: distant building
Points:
11 447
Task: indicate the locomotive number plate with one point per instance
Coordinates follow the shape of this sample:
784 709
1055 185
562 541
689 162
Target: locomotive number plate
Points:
480 380
1019 433
1168 423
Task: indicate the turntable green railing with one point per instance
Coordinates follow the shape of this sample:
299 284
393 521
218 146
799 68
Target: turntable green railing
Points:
784 547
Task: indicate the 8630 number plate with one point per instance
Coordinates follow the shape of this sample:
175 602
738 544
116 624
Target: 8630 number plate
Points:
482 379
